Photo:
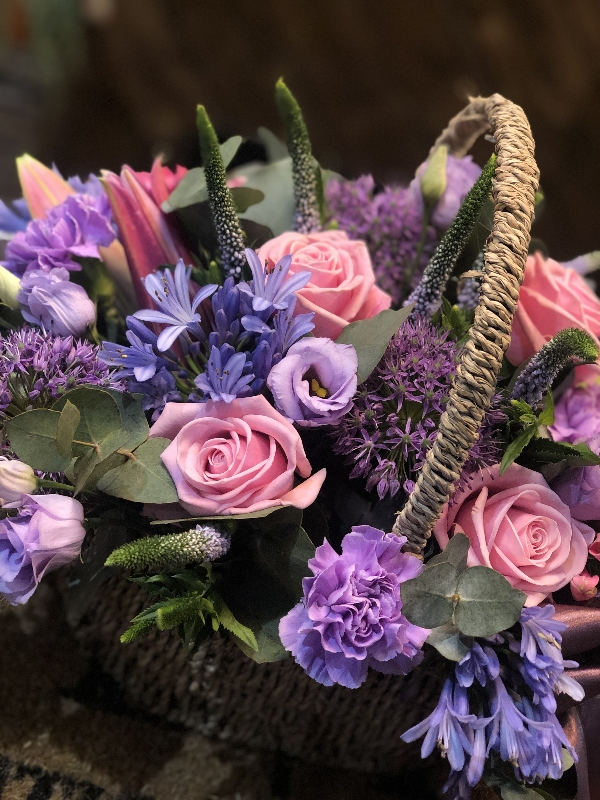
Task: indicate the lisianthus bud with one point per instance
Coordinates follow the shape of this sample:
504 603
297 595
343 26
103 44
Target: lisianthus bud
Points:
434 179
52 301
16 480
9 288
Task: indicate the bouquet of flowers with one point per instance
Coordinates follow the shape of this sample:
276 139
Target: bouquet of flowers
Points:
237 386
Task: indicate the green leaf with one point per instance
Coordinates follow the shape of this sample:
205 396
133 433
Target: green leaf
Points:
230 623
268 647
99 416
143 478
276 149
33 438
446 640
265 512
192 187
487 603
511 791
427 600
515 448
546 417
455 553
370 338
133 419
546 451
275 181
244 197
68 422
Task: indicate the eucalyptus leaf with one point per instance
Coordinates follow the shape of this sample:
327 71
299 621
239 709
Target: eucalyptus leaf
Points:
99 416
276 149
133 419
487 603
370 338
265 512
516 447
244 197
455 553
143 478
275 181
33 438
68 422
427 600
446 640
268 648
511 791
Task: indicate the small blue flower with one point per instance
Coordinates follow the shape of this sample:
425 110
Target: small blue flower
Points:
480 663
269 289
224 378
171 293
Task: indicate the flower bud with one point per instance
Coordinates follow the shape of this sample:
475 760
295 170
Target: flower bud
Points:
60 307
9 288
434 179
16 480
584 586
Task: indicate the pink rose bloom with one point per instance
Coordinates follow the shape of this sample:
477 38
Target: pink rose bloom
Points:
342 288
233 458
583 587
551 299
518 526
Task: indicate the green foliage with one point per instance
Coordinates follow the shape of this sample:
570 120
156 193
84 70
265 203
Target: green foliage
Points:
457 320
370 338
99 439
477 601
523 427
187 601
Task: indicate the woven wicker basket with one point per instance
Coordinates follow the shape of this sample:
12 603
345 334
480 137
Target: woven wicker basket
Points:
276 706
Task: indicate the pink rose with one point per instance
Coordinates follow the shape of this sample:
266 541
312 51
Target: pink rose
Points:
583 587
518 526
551 299
232 458
342 288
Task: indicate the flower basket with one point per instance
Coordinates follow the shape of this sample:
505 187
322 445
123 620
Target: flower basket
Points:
220 692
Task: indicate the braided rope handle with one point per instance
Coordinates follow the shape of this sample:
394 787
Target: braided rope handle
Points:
513 191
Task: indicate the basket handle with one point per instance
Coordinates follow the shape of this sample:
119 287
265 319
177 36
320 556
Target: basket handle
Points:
513 191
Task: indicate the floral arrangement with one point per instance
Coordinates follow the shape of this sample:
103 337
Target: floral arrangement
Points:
227 383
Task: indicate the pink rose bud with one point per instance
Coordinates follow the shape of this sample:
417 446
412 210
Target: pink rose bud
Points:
583 587
16 480
595 547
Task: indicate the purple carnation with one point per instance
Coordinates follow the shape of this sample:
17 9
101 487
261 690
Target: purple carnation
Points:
461 175
73 228
351 616
577 414
315 382
579 487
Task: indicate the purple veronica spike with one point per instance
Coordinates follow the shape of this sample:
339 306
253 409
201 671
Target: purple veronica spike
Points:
271 289
171 293
224 378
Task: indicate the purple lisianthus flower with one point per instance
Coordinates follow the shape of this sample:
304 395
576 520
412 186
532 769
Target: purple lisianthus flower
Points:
73 228
351 616
46 534
50 300
315 382
577 414
461 175
579 487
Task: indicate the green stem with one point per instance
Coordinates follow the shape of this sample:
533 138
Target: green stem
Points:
46 484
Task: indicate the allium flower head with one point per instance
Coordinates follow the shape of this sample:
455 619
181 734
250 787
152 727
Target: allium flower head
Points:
36 369
351 616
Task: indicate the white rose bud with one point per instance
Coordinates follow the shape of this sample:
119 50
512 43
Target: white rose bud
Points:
16 480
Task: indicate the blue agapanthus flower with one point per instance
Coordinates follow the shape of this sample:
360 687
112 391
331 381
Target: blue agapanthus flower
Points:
227 375
271 289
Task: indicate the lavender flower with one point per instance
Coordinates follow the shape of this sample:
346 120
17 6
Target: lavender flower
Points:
171 293
315 382
269 289
36 369
74 228
59 307
394 422
391 220
351 616
577 414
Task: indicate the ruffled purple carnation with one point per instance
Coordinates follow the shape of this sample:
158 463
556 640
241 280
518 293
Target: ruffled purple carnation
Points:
351 616
75 228
577 414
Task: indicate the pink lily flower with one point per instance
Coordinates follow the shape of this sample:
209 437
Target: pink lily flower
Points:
43 189
160 181
144 231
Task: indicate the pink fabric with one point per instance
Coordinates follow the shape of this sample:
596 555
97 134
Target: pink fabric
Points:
551 299
232 458
518 526
342 288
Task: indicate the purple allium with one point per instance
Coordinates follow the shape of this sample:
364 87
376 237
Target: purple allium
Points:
315 382
461 175
59 307
394 422
75 228
15 219
351 618
46 534
171 293
36 369
270 289
579 487
391 222
577 414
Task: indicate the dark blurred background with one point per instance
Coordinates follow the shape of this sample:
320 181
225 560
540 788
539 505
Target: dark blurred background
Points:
91 84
